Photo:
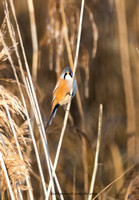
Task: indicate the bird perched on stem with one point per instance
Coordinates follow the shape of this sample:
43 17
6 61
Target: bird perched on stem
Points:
61 93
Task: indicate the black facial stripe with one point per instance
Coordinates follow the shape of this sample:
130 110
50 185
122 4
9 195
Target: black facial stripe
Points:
65 75
70 74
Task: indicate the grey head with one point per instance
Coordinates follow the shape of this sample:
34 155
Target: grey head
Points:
66 73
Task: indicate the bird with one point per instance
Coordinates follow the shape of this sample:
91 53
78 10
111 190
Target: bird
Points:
61 93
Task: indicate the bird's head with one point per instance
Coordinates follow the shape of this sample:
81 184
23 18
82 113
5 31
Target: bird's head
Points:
66 73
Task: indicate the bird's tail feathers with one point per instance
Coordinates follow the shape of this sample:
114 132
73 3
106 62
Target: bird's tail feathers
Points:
52 115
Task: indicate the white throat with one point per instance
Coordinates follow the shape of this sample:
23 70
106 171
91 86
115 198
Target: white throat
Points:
68 77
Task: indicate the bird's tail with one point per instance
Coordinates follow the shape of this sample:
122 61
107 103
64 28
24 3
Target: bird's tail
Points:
52 115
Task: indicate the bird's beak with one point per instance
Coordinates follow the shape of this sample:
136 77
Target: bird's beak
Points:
67 73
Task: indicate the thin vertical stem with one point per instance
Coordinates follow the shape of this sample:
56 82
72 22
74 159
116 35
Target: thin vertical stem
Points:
69 103
22 96
40 126
79 103
10 59
127 79
36 106
38 117
74 182
34 38
97 153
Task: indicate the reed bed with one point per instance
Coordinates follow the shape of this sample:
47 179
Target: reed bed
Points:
80 156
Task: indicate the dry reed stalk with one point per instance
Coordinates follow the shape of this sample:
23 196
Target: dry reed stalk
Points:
41 128
94 29
34 142
127 79
14 70
23 76
118 168
74 182
56 180
84 148
22 96
69 103
34 39
34 45
59 44
84 62
134 53
54 36
73 34
37 157
36 113
94 50
97 153
108 186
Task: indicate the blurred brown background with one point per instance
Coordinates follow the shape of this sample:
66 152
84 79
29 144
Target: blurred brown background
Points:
109 77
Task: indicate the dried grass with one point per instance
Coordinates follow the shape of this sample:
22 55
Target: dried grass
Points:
13 103
17 168
13 137
3 54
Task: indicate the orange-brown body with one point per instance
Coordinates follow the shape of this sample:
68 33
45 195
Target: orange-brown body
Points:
62 89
